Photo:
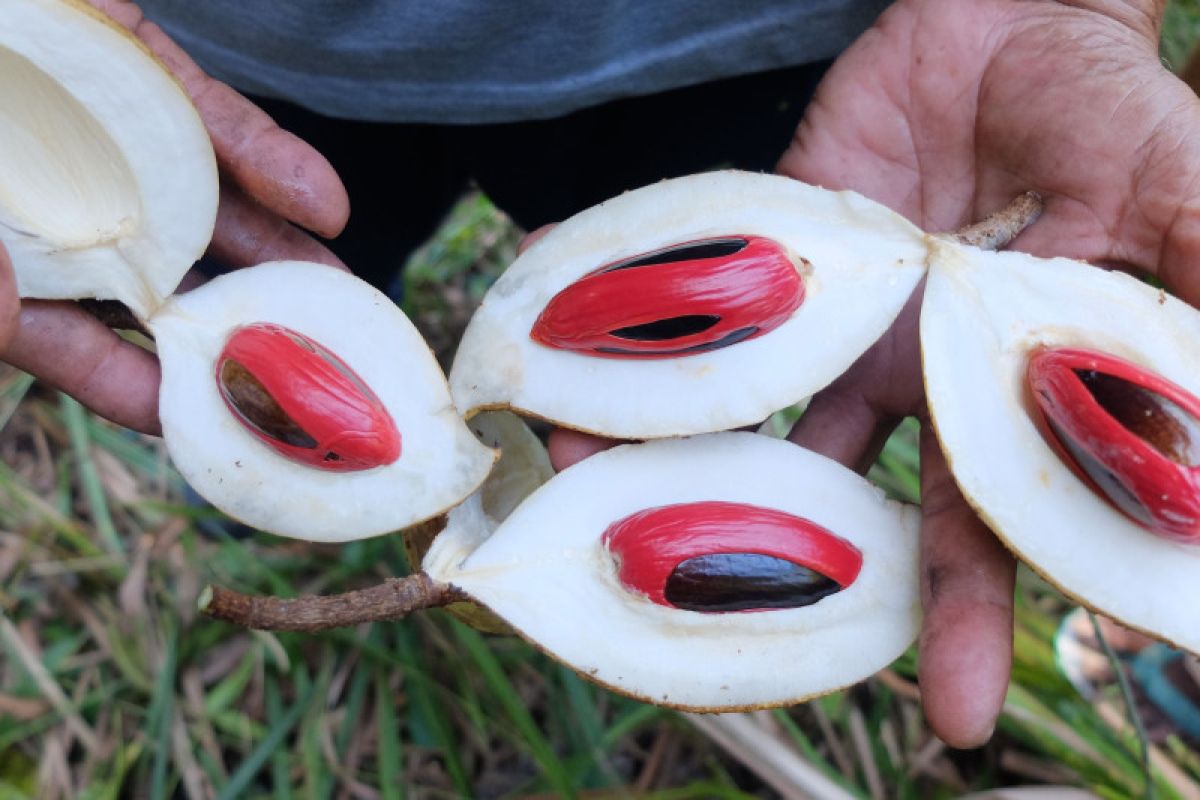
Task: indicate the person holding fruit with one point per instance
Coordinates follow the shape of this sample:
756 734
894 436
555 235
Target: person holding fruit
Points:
942 109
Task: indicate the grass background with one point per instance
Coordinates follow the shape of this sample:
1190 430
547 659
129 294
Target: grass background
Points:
111 686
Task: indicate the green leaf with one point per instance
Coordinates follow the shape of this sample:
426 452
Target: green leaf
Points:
503 689
388 728
240 780
76 421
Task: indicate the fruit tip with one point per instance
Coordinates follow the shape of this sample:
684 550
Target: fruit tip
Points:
205 599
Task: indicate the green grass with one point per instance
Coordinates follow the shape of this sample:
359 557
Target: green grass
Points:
112 686
100 586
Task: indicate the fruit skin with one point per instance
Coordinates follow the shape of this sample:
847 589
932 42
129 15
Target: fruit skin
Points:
346 426
1149 481
650 544
671 308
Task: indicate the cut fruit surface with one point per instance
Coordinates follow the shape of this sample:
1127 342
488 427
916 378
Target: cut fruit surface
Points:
229 462
523 466
549 565
1134 436
108 184
985 316
693 305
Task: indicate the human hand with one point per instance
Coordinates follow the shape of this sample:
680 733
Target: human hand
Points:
945 111
272 186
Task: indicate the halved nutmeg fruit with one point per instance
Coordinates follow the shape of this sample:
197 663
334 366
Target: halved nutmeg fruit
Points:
653 544
680 308
719 556
681 300
279 405
1064 398
108 184
1132 434
288 389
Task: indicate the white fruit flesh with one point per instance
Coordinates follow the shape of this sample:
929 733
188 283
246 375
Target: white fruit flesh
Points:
523 467
440 461
108 185
865 263
524 464
982 315
545 571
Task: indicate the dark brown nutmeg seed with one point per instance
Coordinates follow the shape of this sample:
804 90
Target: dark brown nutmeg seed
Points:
1131 434
716 556
744 582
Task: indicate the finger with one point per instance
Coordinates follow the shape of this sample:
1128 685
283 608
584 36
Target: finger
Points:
842 425
71 350
10 303
1180 267
567 447
967 592
271 165
249 234
533 237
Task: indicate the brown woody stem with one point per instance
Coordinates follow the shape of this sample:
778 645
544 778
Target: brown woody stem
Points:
997 230
114 314
393 599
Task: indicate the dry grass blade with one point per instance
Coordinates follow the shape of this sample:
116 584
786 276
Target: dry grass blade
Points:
770 758
195 782
866 758
22 708
1033 793
837 748
54 774
1185 787
48 686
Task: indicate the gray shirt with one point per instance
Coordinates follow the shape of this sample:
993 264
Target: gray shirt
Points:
490 61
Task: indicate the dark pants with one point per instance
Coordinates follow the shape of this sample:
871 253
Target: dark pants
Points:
403 178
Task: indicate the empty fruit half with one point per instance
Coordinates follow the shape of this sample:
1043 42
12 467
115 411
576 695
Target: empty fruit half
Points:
718 572
1065 399
108 184
693 305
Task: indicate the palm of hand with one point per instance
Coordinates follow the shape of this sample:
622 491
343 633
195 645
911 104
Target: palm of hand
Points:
945 111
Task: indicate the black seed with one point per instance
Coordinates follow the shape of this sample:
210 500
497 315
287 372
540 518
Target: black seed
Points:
1108 483
731 338
669 328
709 248
255 407
744 582
1148 415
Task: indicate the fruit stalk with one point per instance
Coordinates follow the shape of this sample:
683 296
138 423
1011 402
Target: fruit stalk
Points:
114 314
393 599
995 231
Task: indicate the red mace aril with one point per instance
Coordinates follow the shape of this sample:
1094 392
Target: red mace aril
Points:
681 300
303 401
1132 434
721 556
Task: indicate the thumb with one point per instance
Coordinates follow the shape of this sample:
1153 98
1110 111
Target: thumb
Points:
1179 265
10 304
